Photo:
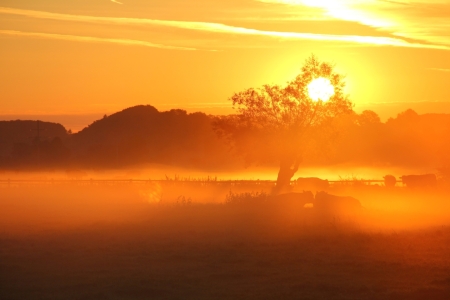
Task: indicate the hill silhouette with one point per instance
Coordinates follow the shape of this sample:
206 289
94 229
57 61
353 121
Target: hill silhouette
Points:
143 135
19 131
28 143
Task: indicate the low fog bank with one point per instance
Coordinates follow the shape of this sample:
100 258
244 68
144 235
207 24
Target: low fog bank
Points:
208 203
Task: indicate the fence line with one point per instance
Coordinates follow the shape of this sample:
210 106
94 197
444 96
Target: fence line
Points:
165 181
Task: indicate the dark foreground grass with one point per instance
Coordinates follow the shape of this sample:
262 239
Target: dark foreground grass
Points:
218 252
109 244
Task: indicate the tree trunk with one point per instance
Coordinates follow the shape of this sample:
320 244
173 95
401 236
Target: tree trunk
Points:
288 167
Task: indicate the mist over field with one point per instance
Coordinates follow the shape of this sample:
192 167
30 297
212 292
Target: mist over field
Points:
203 238
55 200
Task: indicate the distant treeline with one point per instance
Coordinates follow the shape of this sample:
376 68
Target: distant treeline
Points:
408 140
143 135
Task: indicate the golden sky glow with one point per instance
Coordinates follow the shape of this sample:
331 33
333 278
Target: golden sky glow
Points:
100 56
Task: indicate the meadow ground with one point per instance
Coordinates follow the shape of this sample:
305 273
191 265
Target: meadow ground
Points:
70 242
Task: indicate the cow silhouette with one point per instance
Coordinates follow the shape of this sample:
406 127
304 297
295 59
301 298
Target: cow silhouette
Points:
289 208
312 184
419 181
389 181
297 199
331 204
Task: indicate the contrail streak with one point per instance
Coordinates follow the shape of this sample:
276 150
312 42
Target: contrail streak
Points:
226 29
91 39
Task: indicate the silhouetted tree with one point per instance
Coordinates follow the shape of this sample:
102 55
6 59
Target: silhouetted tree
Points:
368 118
279 123
361 140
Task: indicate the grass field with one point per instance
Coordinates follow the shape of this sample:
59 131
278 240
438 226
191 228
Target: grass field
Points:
110 243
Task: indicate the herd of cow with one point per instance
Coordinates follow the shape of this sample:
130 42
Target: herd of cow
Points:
410 181
326 203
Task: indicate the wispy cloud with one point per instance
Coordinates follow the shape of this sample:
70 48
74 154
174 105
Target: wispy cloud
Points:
440 70
416 19
116 2
225 29
76 38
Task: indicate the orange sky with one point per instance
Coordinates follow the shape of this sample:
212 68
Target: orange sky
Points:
92 57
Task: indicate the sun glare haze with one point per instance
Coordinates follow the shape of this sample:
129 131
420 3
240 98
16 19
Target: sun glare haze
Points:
320 89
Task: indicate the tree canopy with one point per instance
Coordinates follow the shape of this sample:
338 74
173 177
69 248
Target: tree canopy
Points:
279 123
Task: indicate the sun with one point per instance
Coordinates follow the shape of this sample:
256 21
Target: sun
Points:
320 89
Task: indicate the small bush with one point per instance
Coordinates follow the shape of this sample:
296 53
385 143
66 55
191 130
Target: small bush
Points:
246 198
183 201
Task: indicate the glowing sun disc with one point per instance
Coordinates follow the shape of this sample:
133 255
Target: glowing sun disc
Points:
320 89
